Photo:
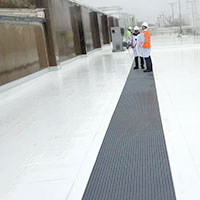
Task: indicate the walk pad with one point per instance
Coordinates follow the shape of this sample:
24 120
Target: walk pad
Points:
133 162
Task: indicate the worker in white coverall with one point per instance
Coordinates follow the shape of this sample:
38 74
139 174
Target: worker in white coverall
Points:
145 46
136 48
129 37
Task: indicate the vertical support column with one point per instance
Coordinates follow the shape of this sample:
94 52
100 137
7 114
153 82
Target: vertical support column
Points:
49 32
99 16
106 38
77 27
85 13
81 30
116 22
95 30
41 46
51 44
110 25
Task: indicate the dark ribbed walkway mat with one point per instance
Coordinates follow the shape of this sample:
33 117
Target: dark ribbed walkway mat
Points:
133 162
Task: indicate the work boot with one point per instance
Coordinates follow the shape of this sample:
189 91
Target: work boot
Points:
147 70
142 67
136 68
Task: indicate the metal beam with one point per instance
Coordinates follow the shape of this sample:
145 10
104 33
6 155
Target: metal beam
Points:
21 19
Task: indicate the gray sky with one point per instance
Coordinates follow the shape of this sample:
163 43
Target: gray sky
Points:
147 10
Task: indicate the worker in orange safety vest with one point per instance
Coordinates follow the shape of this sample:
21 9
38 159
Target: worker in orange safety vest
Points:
145 46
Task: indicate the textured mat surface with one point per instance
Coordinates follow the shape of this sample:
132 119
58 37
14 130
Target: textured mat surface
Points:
133 162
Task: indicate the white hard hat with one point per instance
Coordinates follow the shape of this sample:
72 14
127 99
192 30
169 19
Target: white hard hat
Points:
136 28
129 28
145 24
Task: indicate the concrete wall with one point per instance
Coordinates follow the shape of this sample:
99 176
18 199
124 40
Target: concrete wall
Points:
23 50
69 30
19 3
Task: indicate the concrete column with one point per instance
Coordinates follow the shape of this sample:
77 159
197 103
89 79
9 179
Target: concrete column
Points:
77 26
105 31
95 30
49 32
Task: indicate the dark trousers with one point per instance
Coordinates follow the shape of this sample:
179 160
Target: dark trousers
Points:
137 62
149 63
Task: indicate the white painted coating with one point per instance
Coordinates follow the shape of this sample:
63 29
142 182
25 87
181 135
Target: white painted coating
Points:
177 74
51 128
49 124
20 81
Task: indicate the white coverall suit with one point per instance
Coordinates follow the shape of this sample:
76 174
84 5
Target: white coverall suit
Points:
137 50
135 44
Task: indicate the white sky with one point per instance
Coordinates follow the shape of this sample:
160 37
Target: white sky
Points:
143 9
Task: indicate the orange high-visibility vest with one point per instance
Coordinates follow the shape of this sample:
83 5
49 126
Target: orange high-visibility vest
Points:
147 40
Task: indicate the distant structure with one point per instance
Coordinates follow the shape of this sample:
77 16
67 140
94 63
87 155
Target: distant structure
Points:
125 19
39 35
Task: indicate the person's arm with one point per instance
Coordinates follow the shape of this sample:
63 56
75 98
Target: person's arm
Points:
141 39
132 42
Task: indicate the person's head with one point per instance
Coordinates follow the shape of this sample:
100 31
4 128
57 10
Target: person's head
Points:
130 29
145 25
136 29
